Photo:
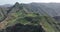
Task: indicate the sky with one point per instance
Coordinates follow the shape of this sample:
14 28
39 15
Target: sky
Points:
26 1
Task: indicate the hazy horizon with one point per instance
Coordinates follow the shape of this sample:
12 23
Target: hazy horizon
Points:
2 2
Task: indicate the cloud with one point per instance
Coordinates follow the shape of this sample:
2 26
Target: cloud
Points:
26 1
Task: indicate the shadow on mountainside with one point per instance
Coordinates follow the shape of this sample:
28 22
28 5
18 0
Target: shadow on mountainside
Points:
24 28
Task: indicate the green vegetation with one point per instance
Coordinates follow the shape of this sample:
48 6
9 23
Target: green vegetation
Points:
26 18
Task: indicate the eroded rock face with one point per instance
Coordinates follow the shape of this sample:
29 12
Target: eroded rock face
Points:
24 28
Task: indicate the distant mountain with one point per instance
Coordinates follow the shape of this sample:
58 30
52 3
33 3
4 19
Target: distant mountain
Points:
54 6
39 8
6 5
57 18
53 9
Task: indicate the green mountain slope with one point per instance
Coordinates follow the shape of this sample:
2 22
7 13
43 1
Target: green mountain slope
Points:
19 14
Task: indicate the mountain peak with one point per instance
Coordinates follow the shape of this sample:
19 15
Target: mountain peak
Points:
16 3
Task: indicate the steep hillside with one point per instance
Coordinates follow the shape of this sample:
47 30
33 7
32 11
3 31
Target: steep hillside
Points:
3 13
24 18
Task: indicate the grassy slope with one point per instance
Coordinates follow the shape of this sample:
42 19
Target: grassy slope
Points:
17 17
47 22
